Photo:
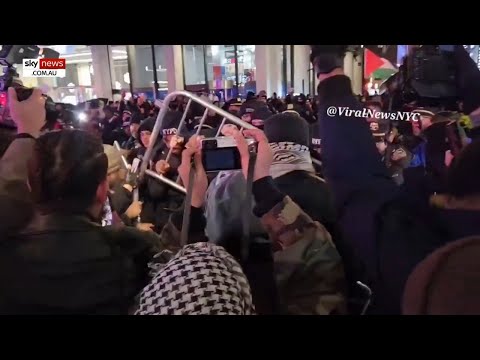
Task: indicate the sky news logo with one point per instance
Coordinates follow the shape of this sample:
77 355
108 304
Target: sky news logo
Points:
44 68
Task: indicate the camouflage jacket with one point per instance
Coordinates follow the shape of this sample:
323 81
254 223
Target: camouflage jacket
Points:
308 268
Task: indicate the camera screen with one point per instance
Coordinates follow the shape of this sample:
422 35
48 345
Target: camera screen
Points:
221 159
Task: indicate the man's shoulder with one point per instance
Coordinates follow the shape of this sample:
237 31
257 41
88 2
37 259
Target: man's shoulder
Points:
131 239
46 243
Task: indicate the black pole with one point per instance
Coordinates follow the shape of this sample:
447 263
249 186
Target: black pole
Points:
129 65
236 69
311 75
309 80
284 69
183 64
292 66
155 75
205 69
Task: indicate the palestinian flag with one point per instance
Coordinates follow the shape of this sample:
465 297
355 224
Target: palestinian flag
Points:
377 67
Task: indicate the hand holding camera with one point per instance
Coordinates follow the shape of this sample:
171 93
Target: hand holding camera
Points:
232 152
264 153
224 153
193 150
29 115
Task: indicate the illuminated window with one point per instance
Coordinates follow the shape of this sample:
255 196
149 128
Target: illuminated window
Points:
217 65
78 72
220 66
120 76
246 69
161 62
142 76
194 65
142 68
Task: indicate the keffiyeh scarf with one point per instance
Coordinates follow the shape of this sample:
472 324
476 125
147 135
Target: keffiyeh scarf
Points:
288 157
201 279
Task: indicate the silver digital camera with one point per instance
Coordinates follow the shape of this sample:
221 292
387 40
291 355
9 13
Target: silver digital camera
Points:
221 153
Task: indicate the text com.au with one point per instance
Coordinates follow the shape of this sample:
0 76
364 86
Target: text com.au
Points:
44 68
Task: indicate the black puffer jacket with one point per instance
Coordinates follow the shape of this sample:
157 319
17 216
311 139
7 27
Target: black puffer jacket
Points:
64 264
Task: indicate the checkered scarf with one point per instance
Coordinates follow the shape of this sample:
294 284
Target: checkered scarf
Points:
202 279
288 157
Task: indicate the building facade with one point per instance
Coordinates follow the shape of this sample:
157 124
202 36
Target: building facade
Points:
103 71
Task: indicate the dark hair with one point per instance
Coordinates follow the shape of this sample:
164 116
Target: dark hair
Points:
464 173
326 58
66 169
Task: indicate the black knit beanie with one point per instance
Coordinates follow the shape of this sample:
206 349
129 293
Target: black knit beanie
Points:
287 127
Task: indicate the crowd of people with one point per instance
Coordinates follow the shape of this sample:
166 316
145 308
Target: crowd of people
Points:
349 215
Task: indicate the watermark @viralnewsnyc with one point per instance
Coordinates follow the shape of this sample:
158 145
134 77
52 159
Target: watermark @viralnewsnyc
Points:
373 114
44 68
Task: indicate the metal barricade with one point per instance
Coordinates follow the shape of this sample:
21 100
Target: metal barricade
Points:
158 125
124 160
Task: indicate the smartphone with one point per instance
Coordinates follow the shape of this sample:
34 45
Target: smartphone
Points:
221 154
